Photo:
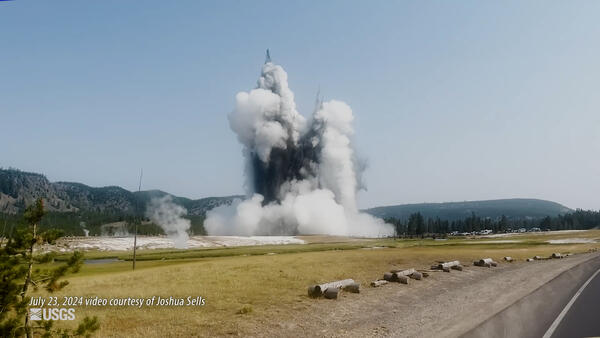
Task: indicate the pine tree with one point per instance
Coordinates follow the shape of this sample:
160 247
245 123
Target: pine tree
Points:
18 276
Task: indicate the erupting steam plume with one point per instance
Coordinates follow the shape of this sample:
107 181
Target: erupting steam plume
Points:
301 176
168 215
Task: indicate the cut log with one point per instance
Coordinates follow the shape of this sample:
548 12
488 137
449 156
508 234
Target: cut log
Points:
378 283
508 259
313 292
537 258
486 262
457 267
354 288
400 278
331 293
441 266
390 277
530 259
557 255
416 275
319 289
403 279
446 269
404 272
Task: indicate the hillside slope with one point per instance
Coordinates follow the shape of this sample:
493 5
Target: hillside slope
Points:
19 189
514 208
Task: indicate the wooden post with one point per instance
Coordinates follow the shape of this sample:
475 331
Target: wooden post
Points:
135 221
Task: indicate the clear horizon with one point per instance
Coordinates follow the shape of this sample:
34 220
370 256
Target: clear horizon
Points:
452 101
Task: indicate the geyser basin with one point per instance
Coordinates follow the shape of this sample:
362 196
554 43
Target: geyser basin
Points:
302 175
162 242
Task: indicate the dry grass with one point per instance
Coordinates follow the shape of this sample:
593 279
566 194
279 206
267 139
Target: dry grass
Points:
246 292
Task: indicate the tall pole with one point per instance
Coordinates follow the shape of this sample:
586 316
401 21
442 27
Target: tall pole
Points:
3 230
135 221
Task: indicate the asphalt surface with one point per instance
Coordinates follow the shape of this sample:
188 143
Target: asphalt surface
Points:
533 315
583 318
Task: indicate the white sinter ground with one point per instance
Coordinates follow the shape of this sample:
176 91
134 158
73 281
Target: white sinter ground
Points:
162 242
555 232
572 241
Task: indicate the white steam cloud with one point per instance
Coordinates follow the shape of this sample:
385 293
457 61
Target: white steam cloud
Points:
302 176
169 216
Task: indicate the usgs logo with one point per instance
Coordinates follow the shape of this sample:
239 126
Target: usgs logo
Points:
53 313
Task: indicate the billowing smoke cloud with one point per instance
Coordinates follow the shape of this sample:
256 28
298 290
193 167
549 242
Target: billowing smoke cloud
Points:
301 176
169 216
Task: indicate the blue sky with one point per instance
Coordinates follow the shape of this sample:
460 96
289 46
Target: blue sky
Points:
454 101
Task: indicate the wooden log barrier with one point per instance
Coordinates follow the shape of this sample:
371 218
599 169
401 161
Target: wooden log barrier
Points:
416 275
319 289
448 265
388 276
486 262
403 279
457 267
378 283
354 288
404 272
331 293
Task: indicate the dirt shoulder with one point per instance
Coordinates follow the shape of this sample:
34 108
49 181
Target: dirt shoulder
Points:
443 305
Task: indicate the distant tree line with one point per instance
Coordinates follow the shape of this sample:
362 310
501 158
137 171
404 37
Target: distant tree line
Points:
74 223
417 225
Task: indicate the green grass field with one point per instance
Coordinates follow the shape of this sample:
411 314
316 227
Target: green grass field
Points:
246 287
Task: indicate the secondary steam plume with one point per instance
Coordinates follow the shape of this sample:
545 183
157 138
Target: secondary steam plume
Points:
169 216
301 176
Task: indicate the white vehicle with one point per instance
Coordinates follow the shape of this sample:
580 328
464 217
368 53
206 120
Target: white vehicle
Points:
485 232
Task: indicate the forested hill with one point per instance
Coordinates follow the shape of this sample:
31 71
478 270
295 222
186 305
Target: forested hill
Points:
515 208
19 189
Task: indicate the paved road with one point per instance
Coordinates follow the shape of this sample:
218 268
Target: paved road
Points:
533 315
583 317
